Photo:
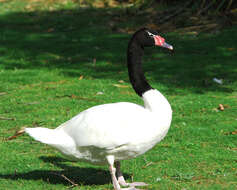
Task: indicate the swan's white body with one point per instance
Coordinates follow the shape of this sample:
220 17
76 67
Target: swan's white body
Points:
112 132
123 130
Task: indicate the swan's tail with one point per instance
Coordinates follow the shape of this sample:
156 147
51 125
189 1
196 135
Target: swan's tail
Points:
56 138
49 136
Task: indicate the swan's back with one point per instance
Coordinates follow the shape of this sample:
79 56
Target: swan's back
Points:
106 125
111 125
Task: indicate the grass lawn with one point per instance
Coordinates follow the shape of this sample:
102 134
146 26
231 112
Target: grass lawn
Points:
59 60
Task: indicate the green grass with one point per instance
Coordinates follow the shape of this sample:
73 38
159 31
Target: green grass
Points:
53 63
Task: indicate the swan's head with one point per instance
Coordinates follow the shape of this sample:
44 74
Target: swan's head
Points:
147 37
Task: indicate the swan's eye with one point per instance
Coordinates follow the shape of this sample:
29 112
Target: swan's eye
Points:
150 34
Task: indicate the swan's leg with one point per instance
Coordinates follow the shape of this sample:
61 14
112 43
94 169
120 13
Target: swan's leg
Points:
112 170
121 179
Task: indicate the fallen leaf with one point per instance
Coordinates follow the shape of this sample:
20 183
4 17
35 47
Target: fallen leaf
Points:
127 92
29 6
218 81
221 107
31 103
50 30
231 133
6 118
81 77
234 132
121 86
99 93
18 133
2 93
158 179
148 164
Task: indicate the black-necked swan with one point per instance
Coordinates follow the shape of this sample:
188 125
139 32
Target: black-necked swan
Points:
112 132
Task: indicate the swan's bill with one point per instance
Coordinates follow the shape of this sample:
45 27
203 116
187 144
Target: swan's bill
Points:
159 41
166 45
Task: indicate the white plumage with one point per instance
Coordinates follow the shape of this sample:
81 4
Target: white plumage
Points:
124 130
112 132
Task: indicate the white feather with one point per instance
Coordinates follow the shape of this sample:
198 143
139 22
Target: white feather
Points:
124 130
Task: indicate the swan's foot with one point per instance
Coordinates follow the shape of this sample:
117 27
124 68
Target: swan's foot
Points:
122 182
134 184
131 186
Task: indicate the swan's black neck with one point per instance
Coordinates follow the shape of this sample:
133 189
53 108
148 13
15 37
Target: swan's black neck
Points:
136 75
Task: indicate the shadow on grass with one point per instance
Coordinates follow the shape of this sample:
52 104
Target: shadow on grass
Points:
78 175
80 42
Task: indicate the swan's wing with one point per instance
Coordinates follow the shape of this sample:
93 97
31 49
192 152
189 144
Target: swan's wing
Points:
107 125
